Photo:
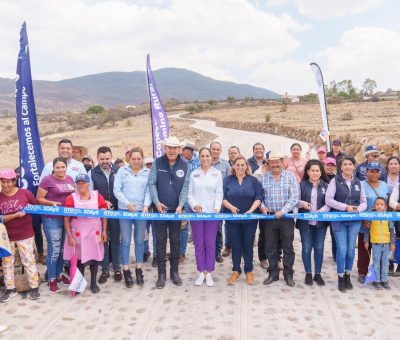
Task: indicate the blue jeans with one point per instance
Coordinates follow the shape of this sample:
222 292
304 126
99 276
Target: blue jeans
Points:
184 235
333 243
380 256
345 235
55 235
242 240
126 235
151 224
312 238
112 246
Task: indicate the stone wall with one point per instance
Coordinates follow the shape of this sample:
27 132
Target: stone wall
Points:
353 146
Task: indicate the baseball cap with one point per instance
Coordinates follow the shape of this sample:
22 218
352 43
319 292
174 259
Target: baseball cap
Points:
8 174
87 157
330 160
148 160
373 166
337 142
82 178
321 150
371 149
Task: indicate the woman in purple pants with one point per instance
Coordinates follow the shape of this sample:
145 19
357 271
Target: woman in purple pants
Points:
205 196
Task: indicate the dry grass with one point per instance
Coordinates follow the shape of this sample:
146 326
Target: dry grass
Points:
377 122
127 132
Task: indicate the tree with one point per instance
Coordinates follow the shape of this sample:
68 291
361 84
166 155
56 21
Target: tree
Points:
368 87
95 109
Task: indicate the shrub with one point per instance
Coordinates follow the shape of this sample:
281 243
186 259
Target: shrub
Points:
95 109
283 107
191 109
267 117
346 116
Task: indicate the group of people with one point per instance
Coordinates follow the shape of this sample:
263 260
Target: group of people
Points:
202 182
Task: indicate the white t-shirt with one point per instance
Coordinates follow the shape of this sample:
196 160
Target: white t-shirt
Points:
206 190
74 168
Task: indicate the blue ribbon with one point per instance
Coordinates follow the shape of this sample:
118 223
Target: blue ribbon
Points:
336 216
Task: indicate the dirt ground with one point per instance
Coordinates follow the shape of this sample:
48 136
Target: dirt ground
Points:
135 132
377 122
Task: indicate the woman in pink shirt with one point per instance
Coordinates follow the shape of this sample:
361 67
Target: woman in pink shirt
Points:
296 163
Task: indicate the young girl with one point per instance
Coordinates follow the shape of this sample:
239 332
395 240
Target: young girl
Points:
381 235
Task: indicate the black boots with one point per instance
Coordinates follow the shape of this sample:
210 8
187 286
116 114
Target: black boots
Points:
271 278
160 281
93 276
176 279
289 280
308 280
139 276
341 284
347 281
319 280
128 278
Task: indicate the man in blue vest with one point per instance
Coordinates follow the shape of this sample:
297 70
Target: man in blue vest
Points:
169 184
102 180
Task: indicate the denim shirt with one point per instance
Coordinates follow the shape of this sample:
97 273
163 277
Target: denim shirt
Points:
132 189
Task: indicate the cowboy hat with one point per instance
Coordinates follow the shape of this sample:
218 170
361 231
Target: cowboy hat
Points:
275 155
172 141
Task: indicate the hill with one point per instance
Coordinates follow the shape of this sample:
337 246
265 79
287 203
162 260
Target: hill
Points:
127 88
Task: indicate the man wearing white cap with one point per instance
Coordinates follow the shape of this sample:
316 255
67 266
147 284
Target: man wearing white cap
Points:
169 184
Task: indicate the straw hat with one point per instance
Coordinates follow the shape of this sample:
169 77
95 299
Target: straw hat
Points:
275 155
173 142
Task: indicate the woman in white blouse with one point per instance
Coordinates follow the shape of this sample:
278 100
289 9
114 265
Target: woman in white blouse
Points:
205 196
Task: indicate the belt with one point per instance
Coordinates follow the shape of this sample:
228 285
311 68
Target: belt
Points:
274 212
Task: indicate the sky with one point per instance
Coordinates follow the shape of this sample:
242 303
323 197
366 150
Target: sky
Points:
266 43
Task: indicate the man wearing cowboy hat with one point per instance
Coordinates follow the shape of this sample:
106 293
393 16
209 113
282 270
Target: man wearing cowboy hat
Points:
169 184
371 154
281 196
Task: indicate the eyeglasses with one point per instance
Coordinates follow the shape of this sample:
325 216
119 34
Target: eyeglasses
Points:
375 156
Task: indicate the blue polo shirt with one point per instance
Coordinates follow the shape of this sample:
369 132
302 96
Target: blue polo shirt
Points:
242 196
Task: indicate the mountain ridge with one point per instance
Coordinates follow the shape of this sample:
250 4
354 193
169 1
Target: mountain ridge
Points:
111 89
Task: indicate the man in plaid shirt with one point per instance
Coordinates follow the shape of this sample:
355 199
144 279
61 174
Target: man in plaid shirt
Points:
281 196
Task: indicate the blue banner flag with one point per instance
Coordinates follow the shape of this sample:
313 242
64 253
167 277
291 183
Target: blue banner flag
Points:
30 150
159 119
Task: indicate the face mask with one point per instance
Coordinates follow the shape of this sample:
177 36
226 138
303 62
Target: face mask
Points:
88 167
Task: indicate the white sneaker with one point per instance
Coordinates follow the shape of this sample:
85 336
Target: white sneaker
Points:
200 280
3 328
209 280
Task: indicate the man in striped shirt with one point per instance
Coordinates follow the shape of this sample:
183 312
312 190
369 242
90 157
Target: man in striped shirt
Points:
281 196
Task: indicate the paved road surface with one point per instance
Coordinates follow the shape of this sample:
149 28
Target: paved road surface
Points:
245 139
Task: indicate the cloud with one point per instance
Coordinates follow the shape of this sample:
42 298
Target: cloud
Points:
283 76
324 9
222 39
365 52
